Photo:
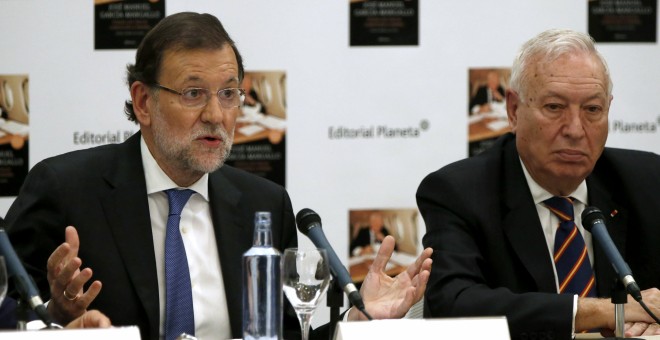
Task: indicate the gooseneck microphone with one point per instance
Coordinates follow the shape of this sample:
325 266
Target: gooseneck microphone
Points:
23 281
309 223
593 221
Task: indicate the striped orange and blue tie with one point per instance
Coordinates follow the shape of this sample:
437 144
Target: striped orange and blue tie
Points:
574 271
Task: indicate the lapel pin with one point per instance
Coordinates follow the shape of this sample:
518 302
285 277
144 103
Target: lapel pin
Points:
614 212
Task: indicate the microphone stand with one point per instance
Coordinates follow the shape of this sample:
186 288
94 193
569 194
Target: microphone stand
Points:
335 300
22 315
619 298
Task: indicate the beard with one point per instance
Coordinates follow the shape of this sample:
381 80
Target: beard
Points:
187 155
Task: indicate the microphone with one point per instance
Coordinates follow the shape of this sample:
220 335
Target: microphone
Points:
594 222
309 223
24 283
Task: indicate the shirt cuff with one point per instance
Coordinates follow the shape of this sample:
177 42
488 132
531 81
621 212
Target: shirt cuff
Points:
575 304
35 325
345 318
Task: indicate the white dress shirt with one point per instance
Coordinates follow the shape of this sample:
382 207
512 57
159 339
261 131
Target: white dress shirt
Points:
550 221
208 291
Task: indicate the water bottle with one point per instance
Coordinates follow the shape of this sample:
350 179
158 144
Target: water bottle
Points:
262 284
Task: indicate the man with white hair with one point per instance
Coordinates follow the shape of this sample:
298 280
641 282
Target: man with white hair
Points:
505 225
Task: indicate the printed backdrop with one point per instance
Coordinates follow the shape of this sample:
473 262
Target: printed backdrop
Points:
364 124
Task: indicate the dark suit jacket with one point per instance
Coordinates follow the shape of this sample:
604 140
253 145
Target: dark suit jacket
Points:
102 192
490 255
481 97
8 314
363 238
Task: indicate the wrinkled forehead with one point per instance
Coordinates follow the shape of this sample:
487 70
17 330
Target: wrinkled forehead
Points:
198 64
571 68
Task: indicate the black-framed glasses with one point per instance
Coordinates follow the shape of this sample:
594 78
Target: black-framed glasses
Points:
198 97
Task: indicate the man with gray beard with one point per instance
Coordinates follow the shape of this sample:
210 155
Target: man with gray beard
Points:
185 97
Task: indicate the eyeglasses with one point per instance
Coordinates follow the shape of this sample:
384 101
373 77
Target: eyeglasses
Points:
197 97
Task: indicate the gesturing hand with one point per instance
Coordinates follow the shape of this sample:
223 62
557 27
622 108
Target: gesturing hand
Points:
386 297
68 300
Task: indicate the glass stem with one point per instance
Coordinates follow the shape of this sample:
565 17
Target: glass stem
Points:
305 319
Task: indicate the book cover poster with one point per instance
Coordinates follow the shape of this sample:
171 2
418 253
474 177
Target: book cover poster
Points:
260 134
623 20
121 24
486 110
14 132
384 22
366 230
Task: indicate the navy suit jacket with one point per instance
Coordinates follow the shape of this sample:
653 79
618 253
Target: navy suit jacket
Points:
8 313
490 255
102 192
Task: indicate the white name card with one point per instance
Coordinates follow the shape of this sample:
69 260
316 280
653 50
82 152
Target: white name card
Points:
491 328
113 333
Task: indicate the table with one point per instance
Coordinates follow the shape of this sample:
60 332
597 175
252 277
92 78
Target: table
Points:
360 269
598 336
16 141
479 130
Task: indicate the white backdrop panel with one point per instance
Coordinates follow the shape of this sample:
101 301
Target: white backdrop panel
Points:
74 88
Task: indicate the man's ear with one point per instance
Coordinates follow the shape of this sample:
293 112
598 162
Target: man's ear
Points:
140 95
512 105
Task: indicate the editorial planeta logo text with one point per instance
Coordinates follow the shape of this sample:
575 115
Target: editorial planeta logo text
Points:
635 127
91 138
376 131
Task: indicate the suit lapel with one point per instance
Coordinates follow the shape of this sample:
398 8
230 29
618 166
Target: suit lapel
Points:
522 226
233 238
127 211
615 221
524 230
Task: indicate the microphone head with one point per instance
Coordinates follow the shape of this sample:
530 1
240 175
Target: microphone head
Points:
306 218
589 216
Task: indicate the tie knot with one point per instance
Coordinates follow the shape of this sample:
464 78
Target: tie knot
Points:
561 206
178 199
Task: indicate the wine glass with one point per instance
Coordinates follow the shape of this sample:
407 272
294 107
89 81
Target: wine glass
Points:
306 276
3 279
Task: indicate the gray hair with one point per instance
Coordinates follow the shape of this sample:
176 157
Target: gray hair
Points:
549 46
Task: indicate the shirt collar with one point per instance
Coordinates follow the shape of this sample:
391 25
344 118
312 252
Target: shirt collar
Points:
158 181
539 194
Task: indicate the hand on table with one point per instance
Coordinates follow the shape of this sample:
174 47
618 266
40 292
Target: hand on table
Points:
90 319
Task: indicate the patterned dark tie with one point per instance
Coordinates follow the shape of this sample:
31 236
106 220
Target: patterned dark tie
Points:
179 315
571 258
